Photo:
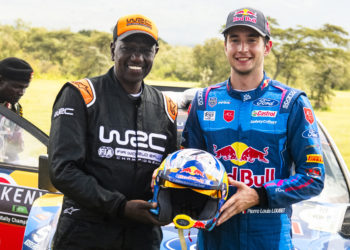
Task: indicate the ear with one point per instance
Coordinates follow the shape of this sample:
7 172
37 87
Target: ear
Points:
225 46
112 46
156 48
268 47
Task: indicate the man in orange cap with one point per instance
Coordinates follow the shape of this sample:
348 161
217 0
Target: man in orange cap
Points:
108 134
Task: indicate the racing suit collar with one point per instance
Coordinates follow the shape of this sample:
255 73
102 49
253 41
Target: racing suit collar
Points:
251 94
111 74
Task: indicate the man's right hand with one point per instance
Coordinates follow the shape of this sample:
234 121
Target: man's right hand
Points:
138 210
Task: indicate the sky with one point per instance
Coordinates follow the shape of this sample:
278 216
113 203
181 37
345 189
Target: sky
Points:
180 22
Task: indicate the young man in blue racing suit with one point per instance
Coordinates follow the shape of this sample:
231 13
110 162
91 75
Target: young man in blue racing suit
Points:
258 128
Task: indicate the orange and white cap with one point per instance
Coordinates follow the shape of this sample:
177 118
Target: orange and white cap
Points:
134 24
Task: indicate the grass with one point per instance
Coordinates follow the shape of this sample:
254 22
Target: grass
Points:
39 98
38 101
337 122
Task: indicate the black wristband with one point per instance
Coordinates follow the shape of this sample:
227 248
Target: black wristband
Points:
263 201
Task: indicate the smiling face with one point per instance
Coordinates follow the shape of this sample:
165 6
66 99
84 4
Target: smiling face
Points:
133 57
245 49
11 91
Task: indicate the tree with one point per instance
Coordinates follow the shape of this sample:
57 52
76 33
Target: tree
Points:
328 73
173 63
211 62
293 48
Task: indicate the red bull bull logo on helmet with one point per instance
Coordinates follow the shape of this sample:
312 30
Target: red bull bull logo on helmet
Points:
239 153
192 171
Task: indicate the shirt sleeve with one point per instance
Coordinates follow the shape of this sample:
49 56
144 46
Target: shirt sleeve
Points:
67 155
304 147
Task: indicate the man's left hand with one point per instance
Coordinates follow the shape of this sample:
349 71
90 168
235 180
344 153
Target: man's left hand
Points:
244 198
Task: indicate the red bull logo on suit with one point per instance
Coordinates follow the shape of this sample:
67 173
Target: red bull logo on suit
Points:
247 176
239 153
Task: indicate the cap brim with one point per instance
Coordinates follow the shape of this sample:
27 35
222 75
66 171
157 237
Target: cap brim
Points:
132 32
246 25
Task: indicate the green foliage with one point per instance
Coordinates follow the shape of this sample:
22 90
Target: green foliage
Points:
316 56
57 54
211 63
315 60
174 63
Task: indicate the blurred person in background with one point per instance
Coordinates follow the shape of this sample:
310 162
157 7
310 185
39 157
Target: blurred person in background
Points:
15 76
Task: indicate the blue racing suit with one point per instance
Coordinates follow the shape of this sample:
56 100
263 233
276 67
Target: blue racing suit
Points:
268 139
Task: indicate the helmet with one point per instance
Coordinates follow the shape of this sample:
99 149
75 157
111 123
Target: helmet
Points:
190 187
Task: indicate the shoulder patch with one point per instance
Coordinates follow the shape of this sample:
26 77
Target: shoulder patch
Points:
170 108
202 95
86 89
289 95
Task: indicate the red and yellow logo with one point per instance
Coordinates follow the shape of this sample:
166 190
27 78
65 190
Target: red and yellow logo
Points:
314 158
239 153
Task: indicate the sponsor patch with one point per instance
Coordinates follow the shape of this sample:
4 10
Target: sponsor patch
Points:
170 108
200 98
132 138
263 122
313 172
265 102
308 115
264 113
209 116
139 21
70 210
141 155
288 99
266 83
105 152
245 15
63 111
310 133
246 97
239 153
86 89
212 101
229 115
314 158
248 177
224 102
313 146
